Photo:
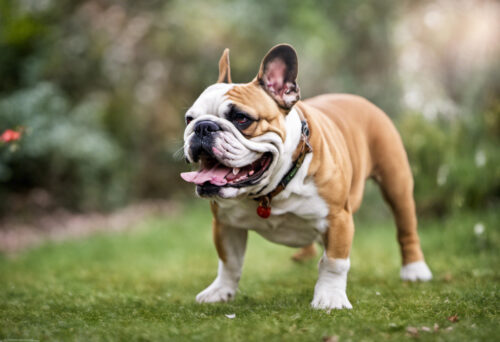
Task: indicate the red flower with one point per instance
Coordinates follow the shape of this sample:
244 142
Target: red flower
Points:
10 135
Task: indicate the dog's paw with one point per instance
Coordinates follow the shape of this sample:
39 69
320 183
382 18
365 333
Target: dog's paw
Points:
416 271
216 292
328 299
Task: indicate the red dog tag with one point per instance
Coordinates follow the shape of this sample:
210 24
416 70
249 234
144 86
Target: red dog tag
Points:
263 212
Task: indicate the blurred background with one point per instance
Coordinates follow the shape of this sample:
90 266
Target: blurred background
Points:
98 90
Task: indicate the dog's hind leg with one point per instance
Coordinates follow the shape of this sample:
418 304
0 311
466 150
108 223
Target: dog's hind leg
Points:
305 253
396 183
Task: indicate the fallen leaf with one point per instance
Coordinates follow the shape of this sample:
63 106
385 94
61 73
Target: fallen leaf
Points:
231 316
449 329
453 319
436 327
412 331
426 329
333 338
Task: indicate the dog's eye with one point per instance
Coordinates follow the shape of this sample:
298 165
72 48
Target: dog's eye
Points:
241 119
188 119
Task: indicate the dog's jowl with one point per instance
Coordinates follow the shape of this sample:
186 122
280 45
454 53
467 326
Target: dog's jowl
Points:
294 171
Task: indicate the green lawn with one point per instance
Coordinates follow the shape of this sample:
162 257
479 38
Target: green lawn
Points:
140 285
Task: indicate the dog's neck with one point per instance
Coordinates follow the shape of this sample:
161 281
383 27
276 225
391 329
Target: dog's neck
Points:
303 148
292 141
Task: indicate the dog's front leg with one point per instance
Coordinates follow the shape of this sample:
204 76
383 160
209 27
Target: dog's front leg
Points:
230 244
330 289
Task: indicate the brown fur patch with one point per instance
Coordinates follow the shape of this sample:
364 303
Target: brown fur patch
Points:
330 165
338 238
252 99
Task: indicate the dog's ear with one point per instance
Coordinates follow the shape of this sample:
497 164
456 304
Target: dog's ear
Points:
224 68
278 75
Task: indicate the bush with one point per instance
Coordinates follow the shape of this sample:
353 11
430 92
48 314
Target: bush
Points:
455 163
100 89
64 149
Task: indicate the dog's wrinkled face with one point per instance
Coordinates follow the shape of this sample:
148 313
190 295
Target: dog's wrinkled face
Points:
237 132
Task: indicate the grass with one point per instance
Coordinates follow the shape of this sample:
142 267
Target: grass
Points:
140 286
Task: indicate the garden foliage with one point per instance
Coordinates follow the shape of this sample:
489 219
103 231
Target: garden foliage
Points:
99 89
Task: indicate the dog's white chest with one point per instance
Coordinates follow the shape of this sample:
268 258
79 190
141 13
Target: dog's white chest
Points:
296 220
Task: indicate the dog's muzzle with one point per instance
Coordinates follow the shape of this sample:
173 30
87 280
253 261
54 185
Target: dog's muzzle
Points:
206 145
203 139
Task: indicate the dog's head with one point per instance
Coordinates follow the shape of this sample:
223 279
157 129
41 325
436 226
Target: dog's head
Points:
243 135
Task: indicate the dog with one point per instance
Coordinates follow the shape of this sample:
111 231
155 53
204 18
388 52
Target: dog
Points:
294 171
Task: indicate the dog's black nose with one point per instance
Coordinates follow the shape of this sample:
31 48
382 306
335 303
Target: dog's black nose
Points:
205 128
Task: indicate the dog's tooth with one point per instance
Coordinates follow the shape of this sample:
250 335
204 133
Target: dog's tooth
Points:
236 170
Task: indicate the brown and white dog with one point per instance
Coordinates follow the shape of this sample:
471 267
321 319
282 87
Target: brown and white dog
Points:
294 172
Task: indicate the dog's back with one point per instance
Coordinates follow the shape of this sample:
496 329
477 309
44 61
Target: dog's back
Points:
369 134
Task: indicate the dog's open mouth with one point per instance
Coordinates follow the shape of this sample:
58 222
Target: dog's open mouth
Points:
215 173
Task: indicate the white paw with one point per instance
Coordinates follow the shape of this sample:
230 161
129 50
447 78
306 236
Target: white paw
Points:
327 299
216 292
416 271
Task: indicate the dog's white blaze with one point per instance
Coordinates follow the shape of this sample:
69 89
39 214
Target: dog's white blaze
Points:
211 101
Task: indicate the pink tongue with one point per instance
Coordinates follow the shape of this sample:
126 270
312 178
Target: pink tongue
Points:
215 175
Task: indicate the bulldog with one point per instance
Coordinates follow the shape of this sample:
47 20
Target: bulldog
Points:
294 171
